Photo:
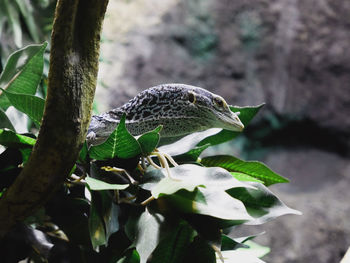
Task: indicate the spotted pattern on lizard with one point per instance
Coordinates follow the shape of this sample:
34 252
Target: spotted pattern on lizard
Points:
181 109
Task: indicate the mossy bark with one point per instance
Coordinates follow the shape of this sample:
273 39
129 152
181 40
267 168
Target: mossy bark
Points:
72 82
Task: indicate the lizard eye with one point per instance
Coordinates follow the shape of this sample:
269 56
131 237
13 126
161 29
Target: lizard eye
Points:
219 102
191 97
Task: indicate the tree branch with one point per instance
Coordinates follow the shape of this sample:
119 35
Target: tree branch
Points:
72 82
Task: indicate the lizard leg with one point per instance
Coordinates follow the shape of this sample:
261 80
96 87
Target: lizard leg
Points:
119 170
163 159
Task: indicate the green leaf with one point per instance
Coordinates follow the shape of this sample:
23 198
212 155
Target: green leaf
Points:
103 220
149 141
11 139
119 144
190 176
171 247
261 203
110 218
30 105
211 202
245 178
5 122
22 72
98 185
96 226
184 194
148 234
253 168
246 115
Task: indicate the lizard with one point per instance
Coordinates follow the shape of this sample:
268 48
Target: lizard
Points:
181 109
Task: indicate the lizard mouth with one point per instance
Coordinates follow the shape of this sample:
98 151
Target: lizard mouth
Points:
231 122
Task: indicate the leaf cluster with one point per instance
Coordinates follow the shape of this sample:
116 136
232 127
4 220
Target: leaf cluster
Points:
122 203
21 23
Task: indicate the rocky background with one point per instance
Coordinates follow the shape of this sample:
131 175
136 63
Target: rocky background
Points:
292 54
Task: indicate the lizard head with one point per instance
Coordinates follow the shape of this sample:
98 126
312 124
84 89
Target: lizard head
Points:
213 108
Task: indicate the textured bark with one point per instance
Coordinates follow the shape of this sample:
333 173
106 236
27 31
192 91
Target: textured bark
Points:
72 82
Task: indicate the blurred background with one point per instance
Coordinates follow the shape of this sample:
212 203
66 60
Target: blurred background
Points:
293 55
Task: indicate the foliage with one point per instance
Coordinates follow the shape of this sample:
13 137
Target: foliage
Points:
119 205
20 23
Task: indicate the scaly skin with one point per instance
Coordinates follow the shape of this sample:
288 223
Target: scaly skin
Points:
181 109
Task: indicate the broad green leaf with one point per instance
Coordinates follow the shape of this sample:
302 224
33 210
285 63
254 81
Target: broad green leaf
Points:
119 144
98 185
11 139
110 215
148 234
22 72
245 178
253 168
246 115
103 220
261 203
5 122
171 247
149 141
96 225
190 176
211 202
30 105
169 186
